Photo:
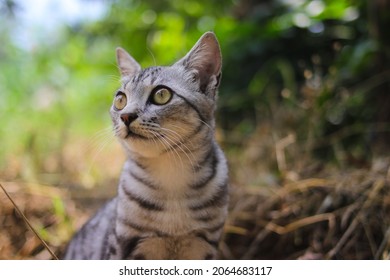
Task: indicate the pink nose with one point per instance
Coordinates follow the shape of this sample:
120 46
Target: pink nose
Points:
128 118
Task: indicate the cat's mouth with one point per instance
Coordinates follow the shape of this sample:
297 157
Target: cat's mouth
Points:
131 134
141 134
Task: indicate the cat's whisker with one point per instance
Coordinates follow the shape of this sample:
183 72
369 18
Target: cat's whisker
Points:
156 136
167 146
177 144
179 141
118 69
101 133
113 78
98 152
172 149
95 141
106 139
152 55
205 123
189 145
186 131
179 128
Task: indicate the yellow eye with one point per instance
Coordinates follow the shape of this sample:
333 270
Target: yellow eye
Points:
120 101
161 96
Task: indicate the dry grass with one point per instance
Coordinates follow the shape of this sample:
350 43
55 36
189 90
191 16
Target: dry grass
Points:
345 216
307 212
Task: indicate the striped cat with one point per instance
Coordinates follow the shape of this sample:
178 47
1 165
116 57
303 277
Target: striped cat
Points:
173 191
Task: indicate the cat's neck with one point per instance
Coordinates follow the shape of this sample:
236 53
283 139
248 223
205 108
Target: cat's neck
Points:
174 169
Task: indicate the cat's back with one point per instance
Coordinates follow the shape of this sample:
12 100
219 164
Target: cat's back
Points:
87 243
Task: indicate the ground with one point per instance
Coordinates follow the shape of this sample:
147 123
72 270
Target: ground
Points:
322 213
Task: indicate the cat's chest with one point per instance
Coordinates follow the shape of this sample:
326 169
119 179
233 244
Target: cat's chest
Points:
169 195
163 205
158 213
176 219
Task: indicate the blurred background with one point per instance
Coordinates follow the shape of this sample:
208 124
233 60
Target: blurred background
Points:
304 105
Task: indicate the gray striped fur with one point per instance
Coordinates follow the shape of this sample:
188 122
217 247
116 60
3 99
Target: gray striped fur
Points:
173 191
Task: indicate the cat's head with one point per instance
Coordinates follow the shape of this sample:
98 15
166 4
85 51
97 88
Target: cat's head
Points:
158 109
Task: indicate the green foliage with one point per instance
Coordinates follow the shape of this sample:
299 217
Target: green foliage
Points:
312 58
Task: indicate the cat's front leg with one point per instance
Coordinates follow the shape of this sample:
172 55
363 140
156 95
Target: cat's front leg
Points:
174 248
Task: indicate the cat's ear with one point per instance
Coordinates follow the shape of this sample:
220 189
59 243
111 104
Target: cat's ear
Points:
204 60
126 63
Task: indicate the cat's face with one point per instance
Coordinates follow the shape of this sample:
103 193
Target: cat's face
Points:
159 109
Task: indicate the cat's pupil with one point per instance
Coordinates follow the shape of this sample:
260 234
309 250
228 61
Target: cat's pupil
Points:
120 101
162 96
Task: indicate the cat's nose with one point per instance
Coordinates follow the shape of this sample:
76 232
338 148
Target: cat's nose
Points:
128 118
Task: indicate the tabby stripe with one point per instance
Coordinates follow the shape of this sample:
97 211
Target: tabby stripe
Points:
125 85
143 181
192 106
139 164
112 250
141 228
129 246
203 182
139 256
203 161
137 78
103 248
130 224
154 76
216 228
145 74
205 218
151 71
203 236
142 202
219 199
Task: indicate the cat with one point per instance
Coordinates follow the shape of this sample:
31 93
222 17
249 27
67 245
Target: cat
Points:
173 194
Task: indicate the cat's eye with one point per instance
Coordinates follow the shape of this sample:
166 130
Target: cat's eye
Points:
161 96
120 101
